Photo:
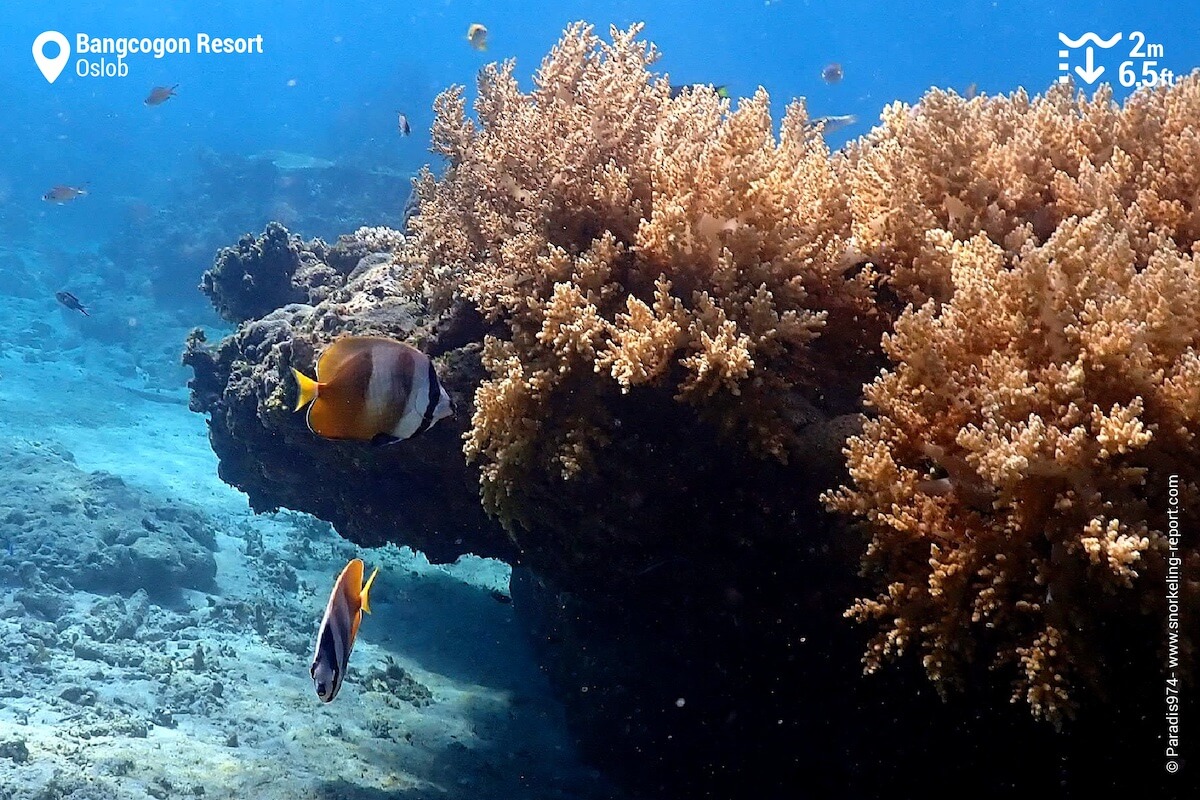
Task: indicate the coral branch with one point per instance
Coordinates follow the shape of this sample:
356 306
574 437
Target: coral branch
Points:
629 239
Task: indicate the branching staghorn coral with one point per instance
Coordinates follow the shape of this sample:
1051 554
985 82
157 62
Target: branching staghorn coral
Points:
627 239
997 164
1015 476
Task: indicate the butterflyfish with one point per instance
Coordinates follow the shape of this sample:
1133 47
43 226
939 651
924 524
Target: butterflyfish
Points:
372 389
339 628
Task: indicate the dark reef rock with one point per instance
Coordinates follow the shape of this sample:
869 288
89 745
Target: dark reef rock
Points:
419 491
260 274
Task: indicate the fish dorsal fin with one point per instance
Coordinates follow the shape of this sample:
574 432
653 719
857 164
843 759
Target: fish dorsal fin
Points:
345 349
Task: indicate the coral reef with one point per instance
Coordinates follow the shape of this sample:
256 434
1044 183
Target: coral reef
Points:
662 312
698 560
1015 473
632 241
999 164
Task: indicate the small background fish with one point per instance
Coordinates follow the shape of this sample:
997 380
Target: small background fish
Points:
477 35
832 73
72 302
678 88
160 94
832 124
64 194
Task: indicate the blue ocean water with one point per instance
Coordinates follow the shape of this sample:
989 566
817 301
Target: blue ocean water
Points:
331 76
169 184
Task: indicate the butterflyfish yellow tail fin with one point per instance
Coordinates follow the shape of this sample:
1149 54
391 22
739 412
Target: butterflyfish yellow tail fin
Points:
366 590
307 387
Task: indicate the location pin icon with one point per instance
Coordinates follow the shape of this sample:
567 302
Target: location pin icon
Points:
51 67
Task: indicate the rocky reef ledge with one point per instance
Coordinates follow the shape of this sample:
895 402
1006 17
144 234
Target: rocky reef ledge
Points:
303 294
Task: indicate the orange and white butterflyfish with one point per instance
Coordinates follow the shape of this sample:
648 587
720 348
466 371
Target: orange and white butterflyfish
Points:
372 389
339 628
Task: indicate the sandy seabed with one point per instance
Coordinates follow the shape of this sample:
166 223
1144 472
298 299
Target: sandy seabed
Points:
155 635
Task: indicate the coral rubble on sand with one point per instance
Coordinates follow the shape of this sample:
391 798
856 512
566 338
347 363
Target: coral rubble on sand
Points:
133 626
120 538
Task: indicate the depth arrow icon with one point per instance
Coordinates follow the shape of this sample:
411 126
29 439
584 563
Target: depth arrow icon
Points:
1092 72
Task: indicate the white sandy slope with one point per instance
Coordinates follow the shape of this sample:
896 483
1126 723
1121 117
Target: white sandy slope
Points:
490 729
